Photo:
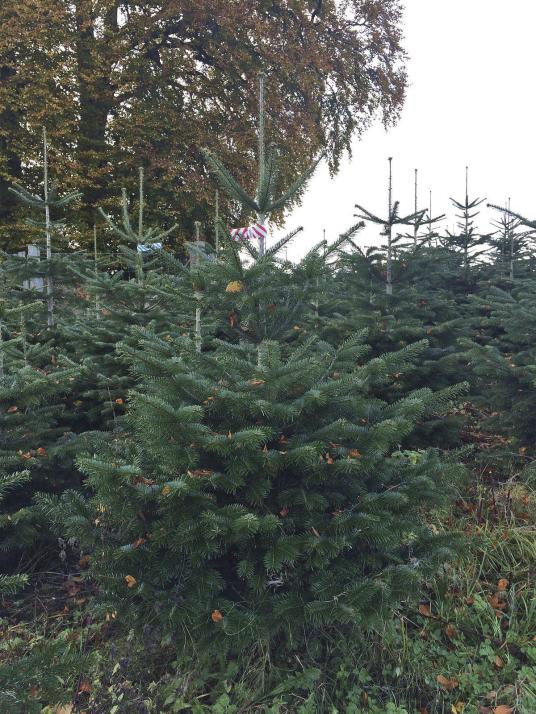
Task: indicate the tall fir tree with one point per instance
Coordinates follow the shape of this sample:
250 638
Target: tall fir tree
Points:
262 493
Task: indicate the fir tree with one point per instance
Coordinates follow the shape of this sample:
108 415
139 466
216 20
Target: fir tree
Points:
468 242
261 490
393 218
50 201
266 200
263 496
35 443
509 245
119 292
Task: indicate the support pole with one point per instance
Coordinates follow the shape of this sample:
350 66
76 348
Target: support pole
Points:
48 235
389 282
197 337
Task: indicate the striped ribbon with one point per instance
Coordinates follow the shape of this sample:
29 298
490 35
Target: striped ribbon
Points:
256 230
149 247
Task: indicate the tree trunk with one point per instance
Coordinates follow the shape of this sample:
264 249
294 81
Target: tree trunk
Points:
12 165
96 102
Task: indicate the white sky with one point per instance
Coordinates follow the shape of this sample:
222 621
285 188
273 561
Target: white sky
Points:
471 101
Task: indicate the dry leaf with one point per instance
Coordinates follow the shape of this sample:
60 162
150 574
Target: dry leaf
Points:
232 319
447 683
283 512
145 481
12 410
354 454
502 585
503 709
216 616
166 491
425 610
495 603
498 662
85 687
450 631
130 580
235 286
200 473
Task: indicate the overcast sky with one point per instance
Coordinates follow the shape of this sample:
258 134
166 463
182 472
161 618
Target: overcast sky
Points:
471 101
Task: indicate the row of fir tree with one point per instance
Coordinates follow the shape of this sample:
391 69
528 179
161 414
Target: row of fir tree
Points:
245 450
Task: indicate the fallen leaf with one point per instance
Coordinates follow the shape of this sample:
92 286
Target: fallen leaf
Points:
12 410
283 512
85 687
166 491
354 454
119 401
216 616
450 631
41 451
502 585
71 587
498 662
503 709
495 603
256 382
447 683
130 580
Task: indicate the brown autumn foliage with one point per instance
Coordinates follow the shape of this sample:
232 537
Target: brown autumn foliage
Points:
121 84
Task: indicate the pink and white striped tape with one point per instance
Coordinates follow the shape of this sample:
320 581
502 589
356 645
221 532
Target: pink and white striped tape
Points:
256 230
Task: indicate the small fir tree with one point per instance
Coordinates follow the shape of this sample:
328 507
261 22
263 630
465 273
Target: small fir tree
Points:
50 202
